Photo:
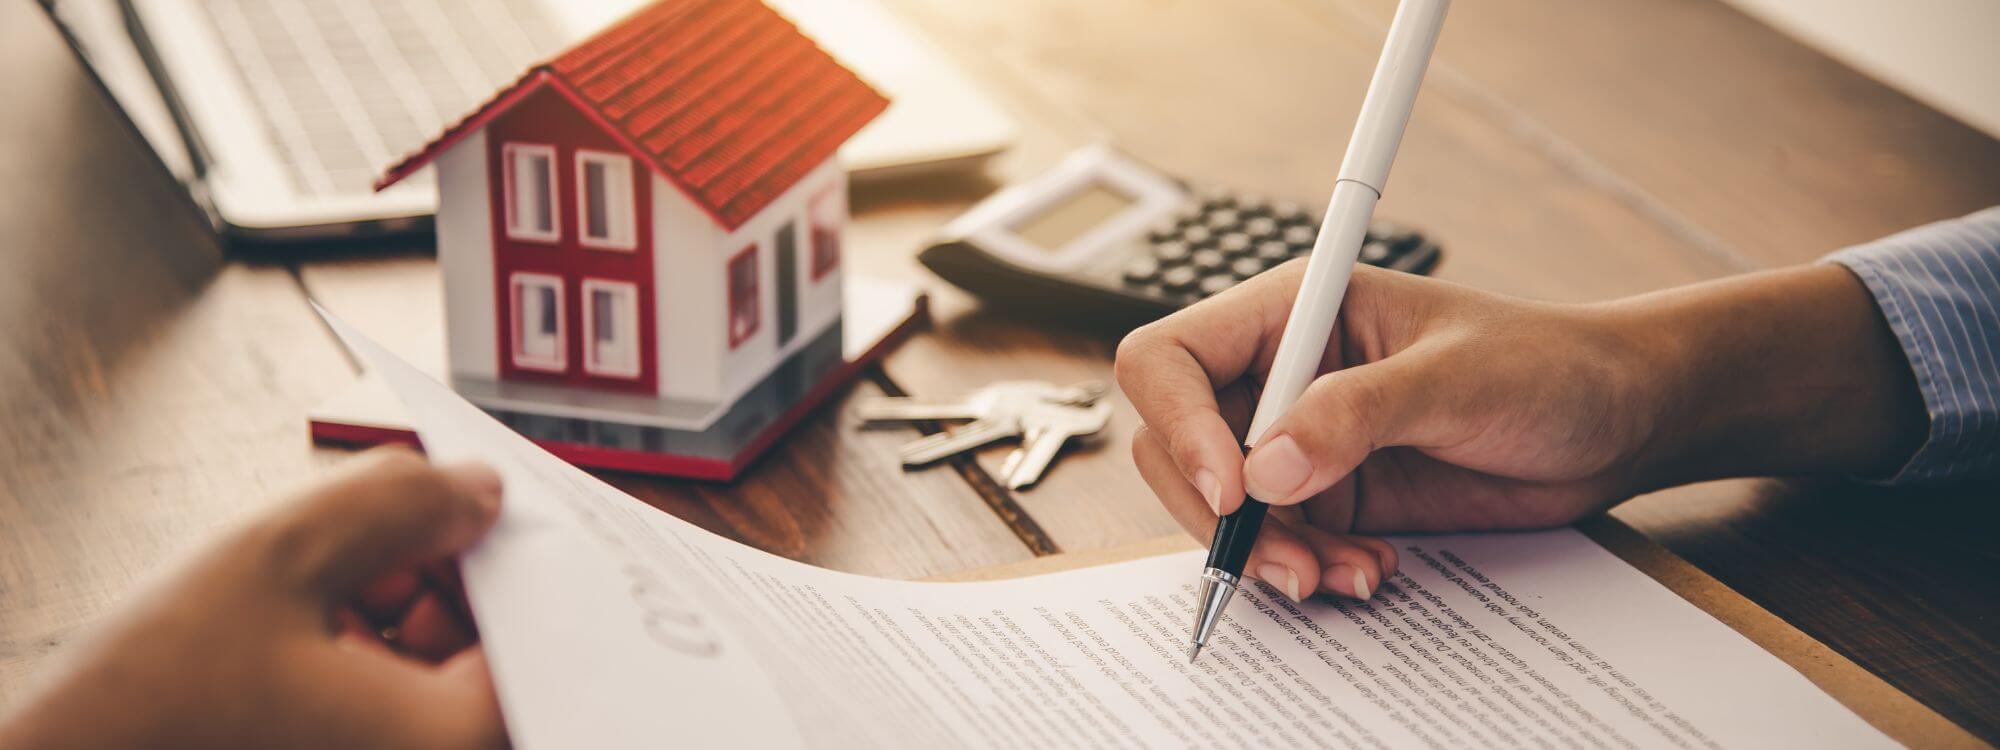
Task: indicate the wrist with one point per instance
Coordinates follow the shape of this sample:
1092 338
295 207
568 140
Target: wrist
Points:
1782 373
1656 365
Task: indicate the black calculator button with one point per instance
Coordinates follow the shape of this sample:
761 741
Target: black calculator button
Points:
1394 234
1273 252
1171 252
1233 243
1223 220
1207 261
1213 199
1261 227
1290 213
1142 270
1197 236
1213 285
1374 251
1245 267
1179 279
1297 236
1164 231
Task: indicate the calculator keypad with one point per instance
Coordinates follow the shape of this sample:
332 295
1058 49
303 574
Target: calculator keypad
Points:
1222 238
1203 242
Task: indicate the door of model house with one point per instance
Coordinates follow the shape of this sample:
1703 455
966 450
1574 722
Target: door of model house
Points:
788 283
573 256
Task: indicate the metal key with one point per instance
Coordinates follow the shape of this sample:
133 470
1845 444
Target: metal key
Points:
976 405
1082 394
976 433
994 410
1046 427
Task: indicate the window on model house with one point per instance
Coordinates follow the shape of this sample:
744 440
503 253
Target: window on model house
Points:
538 322
530 192
611 318
743 303
604 200
826 214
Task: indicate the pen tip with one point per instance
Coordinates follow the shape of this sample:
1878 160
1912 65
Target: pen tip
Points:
1194 653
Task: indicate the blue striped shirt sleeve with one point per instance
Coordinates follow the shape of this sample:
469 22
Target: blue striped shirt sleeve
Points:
1938 285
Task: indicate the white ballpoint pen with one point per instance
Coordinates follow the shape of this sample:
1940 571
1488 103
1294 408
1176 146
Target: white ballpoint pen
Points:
1385 113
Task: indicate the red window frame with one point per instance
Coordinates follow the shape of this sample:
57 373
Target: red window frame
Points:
825 237
742 267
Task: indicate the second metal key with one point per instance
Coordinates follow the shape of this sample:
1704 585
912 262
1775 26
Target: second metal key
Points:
995 413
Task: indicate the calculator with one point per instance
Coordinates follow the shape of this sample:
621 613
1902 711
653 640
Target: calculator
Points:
1106 240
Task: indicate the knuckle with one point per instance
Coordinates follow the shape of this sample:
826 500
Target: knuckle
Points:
1348 402
295 546
1167 444
418 476
396 463
1359 405
1140 438
1183 446
435 499
1127 364
283 547
404 477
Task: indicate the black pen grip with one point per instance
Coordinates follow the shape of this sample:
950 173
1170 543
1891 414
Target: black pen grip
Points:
1235 534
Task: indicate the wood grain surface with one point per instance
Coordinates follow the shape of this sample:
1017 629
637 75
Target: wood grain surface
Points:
153 389
149 392
1766 150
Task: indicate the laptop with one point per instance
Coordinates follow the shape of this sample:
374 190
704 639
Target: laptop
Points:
279 114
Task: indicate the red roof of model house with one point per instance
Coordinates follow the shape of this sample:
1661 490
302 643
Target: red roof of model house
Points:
725 98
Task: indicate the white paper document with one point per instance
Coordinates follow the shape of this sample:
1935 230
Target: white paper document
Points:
610 624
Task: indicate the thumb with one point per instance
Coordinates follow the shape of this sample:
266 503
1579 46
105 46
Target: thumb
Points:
389 510
1340 419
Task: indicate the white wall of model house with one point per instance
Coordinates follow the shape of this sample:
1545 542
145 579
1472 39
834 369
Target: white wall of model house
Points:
691 255
465 257
691 260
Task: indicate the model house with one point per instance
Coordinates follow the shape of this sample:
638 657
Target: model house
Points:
646 227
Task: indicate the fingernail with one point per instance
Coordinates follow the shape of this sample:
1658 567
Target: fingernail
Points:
1283 578
475 479
1211 489
1350 576
1276 469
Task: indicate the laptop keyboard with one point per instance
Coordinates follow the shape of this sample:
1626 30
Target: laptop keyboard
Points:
348 87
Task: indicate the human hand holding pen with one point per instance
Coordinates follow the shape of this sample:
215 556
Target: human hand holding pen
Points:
1444 408
272 637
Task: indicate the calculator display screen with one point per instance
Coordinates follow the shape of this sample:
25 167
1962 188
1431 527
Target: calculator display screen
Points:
1067 219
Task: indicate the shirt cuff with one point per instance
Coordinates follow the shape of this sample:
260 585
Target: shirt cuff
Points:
1938 286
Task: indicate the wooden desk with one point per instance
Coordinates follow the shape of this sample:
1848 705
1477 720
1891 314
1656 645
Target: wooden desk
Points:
153 387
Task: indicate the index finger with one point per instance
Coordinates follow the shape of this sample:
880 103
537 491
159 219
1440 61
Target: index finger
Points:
1171 369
